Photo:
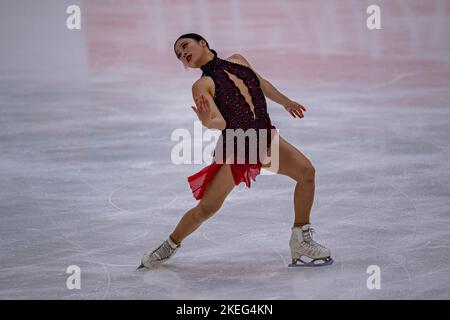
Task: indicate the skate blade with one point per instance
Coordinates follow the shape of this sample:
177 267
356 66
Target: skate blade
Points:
140 267
300 263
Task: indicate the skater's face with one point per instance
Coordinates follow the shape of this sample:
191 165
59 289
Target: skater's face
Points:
189 51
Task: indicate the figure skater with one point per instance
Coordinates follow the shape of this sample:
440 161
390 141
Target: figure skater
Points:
231 95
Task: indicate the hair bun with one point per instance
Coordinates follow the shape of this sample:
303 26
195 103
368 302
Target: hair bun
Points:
214 52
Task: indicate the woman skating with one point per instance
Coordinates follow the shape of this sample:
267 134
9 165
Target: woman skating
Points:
229 96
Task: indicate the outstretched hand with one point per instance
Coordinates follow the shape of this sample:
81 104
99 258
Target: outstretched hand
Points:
295 109
203 109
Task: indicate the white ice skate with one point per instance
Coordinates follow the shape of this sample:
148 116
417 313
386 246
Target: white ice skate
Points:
161 254
302 244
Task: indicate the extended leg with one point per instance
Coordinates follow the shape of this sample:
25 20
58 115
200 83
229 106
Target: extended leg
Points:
213 197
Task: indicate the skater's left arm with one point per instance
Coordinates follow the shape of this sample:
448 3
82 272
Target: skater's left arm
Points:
269 90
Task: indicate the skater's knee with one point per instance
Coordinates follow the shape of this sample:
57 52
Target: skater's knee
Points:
307 174
206 210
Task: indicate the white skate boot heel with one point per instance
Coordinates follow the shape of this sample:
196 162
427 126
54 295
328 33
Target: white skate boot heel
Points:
302 244
161 254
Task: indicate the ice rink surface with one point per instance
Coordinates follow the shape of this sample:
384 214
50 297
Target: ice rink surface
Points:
86 176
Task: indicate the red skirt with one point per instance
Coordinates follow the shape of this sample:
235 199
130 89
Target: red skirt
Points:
241 173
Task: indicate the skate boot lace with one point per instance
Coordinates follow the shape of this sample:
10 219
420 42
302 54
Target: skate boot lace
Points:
163 251
307 238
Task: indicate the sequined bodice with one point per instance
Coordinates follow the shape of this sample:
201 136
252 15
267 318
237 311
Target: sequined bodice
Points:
235 109
229 99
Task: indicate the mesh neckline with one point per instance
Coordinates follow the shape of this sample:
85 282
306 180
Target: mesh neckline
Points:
207 66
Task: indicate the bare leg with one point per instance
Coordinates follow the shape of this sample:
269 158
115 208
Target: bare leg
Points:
213 198
303 200
294 164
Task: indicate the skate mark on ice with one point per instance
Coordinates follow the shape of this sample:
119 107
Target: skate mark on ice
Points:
393 80
153 208
139 236
393 258
283 260
386 182
73 244
208 239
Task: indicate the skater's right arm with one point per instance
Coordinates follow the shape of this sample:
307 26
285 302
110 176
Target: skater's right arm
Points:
207 111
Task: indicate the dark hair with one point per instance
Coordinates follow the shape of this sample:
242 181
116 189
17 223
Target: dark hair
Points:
194 36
